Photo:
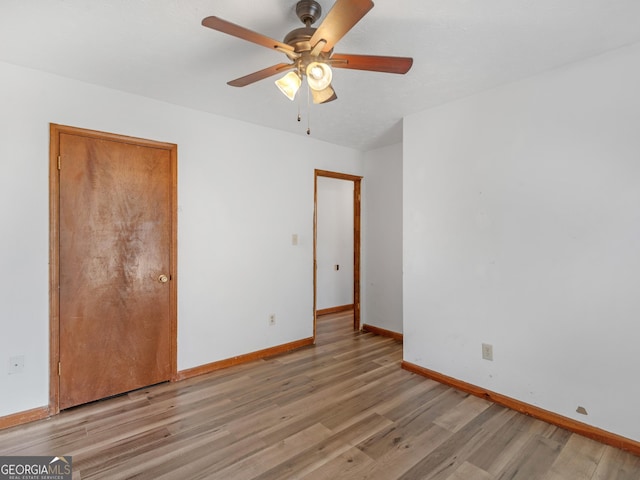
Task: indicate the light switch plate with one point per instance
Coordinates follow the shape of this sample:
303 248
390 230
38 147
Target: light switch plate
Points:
487 351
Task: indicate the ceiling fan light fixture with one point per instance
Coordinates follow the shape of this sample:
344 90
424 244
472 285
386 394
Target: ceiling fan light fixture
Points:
319 76
289 84
323 96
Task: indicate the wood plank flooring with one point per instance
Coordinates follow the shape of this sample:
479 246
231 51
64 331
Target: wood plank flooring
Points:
343 409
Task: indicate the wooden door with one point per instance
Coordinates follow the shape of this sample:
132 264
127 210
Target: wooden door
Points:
116 292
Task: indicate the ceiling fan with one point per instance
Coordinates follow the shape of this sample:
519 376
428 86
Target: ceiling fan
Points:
310 49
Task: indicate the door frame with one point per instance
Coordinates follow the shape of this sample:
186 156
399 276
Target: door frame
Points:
357 187
55 131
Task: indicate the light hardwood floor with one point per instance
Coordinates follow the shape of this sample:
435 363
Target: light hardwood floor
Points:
341 409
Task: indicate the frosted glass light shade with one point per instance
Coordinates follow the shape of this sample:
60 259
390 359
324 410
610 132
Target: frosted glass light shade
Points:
319 75
289 84
323 96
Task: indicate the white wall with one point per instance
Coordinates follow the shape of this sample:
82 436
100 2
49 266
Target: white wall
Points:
334 288
382 231
236 261
522 229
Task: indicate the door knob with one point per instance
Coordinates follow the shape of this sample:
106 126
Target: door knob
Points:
163 279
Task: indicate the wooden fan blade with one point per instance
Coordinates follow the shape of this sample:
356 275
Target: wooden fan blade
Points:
341 18
372 63
244 33
260 75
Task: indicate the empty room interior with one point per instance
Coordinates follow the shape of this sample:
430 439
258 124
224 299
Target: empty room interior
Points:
423 263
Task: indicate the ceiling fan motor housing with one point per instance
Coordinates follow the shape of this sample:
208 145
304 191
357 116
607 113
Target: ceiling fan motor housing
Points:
299 39
308 11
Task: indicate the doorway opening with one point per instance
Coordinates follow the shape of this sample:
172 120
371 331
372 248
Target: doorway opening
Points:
355 265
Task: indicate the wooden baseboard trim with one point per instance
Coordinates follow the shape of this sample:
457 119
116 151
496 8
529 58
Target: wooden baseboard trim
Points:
24 417
43 412
580 428
248 357
341 308
382 331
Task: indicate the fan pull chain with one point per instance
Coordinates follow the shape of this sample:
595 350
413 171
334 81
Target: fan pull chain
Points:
308 110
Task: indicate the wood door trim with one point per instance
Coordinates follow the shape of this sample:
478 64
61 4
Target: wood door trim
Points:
55 131
54 269
357 180
356 253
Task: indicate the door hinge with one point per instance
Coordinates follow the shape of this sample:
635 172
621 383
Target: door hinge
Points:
59 369
58 162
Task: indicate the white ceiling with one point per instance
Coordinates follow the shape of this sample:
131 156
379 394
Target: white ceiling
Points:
158 48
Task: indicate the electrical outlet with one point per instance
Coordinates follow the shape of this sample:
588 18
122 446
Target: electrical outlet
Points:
487 351
272 319
16 364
